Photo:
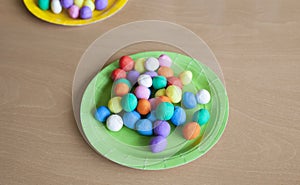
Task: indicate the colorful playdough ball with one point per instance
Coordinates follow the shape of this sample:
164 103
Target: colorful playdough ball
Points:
175 81
174 93
101 4
186 77
189 100
85 12
123 80
191 130
121 89
151 73
201 116
130 119
143 107
151 64
160 92
179 116
144 127
129 102
56 6
151 116
164 111
165 60
159 82
90 4
117 73
114 104
203 96
145 80
132 76
74 11
142 92
164 99
66 3
139 65
158 144
44 4
154 102
102 113
126 63
114 123
78 3
161 128
165 71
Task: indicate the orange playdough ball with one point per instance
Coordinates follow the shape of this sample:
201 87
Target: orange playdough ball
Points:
165 71
143 107
191 130
121 89
164 99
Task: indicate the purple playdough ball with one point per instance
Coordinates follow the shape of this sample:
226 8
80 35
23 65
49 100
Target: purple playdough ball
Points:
158 144
74 11
151 73
132 76
142 92
66 3
161 128
85 12
101 4
165 60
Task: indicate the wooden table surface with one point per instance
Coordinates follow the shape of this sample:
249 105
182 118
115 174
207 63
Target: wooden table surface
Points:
257 43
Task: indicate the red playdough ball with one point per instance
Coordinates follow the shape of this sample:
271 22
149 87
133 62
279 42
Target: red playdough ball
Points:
175 81
118 73
126 63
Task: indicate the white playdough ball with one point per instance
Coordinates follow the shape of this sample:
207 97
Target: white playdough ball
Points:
203 96
145 80
151 64
114 123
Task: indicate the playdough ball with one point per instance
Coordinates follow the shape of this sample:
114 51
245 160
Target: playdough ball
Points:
165 71
175 81
78 3
143 107
164 111
161 128
203 96
151 64
114 104
101 4
151 116
191 130
130 118
66 3
189 100
90 4
201 116
160 92
114 123
56 6
85 12
159 82
151 73
144 127
142 92
117 73
165 60
179 116
44 4
139 65
74 11
121 89
129 102
158 144
164 99
154 102
102 113
123 80
186 77
132 76
174 93
126 63
145 80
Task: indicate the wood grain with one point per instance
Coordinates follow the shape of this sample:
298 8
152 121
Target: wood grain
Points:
257 43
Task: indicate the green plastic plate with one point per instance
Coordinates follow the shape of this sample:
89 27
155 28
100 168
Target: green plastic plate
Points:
130 149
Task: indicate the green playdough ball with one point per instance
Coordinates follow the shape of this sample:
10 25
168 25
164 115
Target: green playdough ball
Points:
129 102
201 116
164 111
159 82
44 4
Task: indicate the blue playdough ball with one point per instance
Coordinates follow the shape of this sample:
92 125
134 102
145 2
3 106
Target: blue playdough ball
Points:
189 100
179 116
102 113
130 119
129 102
151 116
201 116
144 127
164 111
161 128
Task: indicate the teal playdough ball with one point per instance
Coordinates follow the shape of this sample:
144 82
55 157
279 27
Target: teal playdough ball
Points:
159 82
201 116
164 111
129 102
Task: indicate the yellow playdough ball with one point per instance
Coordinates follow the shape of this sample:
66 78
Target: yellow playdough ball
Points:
174 93
160 92
114 104
186 77
78 3
90 4
139 65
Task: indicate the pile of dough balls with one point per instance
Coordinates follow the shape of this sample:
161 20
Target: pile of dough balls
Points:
146 97
76 8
